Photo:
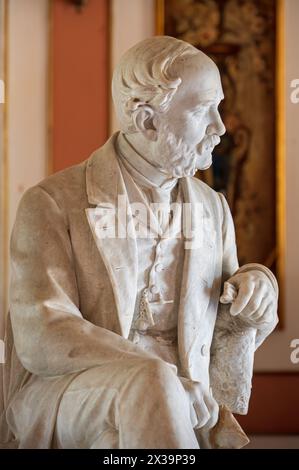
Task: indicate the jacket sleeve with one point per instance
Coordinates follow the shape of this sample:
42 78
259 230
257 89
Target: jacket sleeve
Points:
50 335
234 342
230 264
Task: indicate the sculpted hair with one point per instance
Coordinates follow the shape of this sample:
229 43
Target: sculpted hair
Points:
146 75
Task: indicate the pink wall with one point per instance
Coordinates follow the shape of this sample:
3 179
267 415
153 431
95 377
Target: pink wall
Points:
274 404
80 72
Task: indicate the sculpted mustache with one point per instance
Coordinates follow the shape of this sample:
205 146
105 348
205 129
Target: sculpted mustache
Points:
209 142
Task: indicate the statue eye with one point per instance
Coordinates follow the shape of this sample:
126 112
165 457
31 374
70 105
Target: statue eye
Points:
200 110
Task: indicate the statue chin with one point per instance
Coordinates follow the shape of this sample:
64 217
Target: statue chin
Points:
205 167
204 163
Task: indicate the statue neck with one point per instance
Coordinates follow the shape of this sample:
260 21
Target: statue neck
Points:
140 167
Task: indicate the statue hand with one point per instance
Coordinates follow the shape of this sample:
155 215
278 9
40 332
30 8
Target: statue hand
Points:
205 409
252 297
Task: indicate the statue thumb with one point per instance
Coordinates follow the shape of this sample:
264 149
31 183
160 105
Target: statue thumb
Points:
229 293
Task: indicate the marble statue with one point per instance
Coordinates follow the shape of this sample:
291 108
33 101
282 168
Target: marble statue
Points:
123 333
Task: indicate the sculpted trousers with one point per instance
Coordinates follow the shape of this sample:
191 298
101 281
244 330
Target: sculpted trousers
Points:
127 404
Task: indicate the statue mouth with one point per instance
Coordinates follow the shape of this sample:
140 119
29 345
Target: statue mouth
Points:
208 144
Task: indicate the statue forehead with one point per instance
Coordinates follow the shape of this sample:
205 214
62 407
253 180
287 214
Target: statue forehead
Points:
200 79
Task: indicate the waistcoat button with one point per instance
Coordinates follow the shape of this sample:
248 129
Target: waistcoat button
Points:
154 289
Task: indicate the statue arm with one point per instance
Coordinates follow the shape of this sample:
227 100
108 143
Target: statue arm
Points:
50 335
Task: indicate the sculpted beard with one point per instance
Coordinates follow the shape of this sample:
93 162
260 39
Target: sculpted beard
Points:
177 158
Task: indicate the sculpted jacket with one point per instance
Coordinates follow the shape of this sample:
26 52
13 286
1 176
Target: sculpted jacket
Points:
73 296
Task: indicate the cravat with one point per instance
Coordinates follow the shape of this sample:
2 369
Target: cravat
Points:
161 206
163 196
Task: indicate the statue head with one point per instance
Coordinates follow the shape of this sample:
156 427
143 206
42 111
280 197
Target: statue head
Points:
166 94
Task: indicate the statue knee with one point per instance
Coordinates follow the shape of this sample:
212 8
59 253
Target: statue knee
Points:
158 373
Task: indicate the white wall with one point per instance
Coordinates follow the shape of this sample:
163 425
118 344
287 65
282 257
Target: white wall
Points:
27 124
27 50
131 21
2 171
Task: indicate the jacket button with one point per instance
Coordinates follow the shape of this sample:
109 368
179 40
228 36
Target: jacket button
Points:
159 267
204 350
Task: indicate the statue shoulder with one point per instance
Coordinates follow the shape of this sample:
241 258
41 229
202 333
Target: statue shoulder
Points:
212 199
67 186
204 189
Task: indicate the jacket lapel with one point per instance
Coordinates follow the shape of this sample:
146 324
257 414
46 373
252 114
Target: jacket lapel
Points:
198 271
108 222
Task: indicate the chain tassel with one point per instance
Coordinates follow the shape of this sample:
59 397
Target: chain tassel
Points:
145 317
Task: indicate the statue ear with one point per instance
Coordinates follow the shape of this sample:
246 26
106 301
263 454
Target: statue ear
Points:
143 118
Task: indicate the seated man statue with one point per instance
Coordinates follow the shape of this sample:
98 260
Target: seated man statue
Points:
131 324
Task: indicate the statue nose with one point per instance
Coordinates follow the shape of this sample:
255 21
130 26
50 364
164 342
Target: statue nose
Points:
221 128
217 127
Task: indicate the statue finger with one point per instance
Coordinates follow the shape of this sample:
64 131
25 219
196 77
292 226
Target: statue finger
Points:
244 295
